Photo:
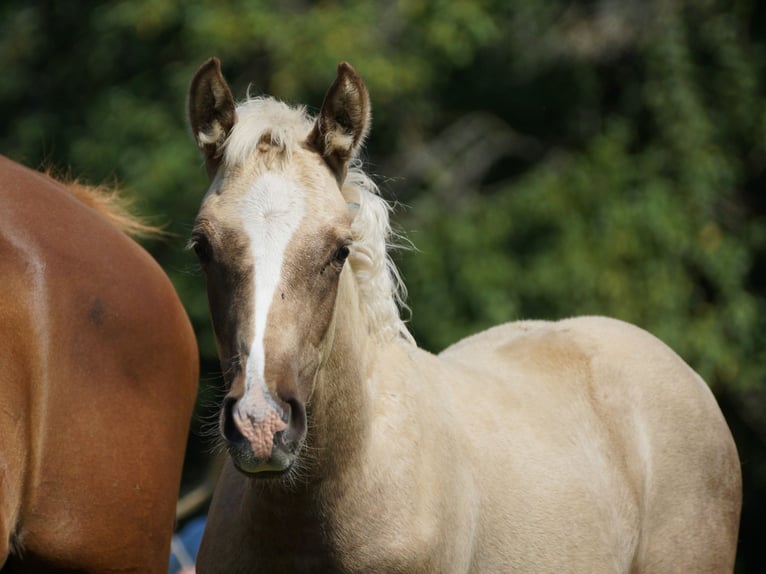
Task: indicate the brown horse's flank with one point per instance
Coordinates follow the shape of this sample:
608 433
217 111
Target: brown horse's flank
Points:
98 379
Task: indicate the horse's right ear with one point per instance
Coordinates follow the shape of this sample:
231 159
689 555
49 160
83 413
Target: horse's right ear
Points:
343 121
211 112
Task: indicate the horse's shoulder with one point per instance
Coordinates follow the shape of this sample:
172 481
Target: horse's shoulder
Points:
617 367
590 352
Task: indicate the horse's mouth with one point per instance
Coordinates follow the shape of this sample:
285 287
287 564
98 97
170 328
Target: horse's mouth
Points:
279 463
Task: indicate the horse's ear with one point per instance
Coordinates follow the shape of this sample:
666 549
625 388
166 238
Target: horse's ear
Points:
343 122
211 112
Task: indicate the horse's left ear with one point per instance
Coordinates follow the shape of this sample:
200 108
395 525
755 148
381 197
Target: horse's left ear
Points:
211 112
344 121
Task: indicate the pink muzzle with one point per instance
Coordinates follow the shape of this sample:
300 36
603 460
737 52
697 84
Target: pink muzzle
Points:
258 418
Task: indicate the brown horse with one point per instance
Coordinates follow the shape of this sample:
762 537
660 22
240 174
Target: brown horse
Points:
584 445
98 375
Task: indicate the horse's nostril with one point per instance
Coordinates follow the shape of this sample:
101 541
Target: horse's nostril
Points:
297 424
230 431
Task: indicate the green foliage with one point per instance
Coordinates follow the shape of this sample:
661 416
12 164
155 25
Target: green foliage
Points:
607 231
648 220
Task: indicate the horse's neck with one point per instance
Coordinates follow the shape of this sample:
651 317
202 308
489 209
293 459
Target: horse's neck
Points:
339 411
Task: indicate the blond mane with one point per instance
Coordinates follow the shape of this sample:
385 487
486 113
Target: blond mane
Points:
382 290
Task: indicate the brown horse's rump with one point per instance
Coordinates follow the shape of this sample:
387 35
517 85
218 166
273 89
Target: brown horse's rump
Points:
98 374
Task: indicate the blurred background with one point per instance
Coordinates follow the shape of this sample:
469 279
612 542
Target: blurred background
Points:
547 158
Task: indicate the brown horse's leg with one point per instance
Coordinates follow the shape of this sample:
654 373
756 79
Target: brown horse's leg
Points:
10 486
3 551
6 547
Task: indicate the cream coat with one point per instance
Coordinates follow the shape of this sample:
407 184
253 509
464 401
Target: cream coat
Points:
583 446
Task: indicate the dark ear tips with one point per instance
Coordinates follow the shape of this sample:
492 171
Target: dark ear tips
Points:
211 112
343 121
338 133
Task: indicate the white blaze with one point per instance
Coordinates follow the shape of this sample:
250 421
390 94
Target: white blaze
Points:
271 214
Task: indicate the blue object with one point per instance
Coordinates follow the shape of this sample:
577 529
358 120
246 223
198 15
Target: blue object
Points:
185 545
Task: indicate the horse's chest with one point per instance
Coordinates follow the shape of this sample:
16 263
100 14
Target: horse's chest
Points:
378 538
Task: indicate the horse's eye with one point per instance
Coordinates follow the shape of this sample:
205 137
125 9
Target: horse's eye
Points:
202 250
341 255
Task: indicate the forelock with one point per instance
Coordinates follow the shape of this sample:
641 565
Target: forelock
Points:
264 119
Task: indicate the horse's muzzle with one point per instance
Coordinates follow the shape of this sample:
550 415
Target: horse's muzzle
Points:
261 437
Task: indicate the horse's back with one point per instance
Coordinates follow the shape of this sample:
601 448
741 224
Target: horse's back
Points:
103 381
608 428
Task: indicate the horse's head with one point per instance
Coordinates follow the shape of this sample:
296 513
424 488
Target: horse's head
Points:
272 235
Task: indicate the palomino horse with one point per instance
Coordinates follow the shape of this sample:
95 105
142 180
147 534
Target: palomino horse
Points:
584 445
98 376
